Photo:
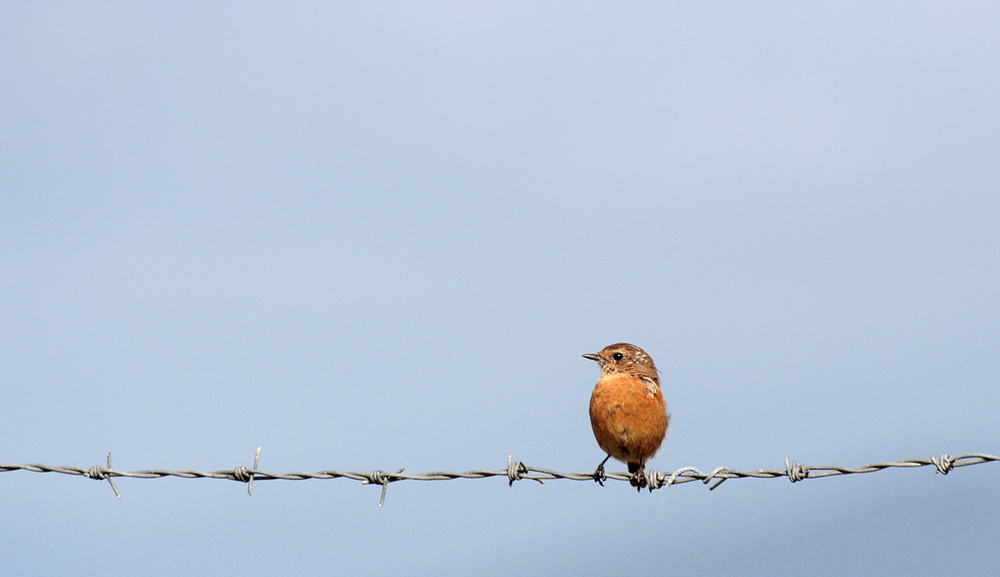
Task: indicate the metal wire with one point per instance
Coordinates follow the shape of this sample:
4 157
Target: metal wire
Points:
515 471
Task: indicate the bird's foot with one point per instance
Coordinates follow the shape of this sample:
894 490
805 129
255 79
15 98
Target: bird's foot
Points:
599 475
638 479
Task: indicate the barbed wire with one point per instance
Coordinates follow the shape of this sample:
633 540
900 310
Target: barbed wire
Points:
515 471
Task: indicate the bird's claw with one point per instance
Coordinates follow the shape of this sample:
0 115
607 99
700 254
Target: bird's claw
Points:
599 475
638 479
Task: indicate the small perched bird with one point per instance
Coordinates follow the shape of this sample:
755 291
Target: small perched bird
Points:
627 410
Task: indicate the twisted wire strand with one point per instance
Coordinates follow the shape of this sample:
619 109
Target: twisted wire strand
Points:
515 471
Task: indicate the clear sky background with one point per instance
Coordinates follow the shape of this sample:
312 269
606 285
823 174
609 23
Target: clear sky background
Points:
380 236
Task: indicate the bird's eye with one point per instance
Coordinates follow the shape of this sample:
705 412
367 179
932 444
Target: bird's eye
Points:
617 356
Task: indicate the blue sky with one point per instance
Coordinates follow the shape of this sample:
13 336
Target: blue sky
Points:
381 236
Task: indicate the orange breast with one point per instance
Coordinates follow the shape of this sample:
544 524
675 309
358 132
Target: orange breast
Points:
629 421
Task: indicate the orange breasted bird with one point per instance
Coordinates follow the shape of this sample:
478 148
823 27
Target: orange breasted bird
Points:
627 410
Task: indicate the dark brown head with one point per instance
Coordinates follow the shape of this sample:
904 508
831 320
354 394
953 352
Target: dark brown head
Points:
625 359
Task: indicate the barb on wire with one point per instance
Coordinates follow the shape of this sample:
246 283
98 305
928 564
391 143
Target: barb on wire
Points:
97 473
243 475
515 471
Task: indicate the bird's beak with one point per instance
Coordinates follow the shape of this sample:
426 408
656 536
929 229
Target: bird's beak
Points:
593 357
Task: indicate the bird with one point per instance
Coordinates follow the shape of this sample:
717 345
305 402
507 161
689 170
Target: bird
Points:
627 411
